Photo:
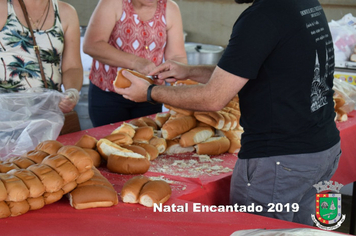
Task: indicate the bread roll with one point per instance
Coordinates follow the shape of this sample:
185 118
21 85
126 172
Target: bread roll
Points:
173 147
213 118
96 192
106 147
18 208
21 162
77 156
161 118
137 149
16 189
143 134
138 123
3 192
175 127
235 145
83 177
86 141
150 122
122 82
120 138
69 187
150 149
131 190
6 166
64 167
51 180
159 143
50 198
180 110
32 182
213 146
126 128
94 155
36 203
4 210
196 135
227 120
36 156
155 192
128 163
49 146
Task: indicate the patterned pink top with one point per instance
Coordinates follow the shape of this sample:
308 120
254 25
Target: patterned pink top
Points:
146 39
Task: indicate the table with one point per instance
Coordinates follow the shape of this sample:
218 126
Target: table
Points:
207 186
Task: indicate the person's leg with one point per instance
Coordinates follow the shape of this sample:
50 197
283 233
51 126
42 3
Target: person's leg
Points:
329 167
280 184
106 107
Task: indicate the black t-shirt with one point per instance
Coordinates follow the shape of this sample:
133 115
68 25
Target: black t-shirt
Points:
285 49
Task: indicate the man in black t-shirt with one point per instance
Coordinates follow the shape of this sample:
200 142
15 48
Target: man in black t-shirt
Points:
280 61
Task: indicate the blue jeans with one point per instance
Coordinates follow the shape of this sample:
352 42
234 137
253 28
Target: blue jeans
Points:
283 180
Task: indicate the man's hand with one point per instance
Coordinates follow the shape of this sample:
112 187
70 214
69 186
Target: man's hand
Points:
170 71
137 92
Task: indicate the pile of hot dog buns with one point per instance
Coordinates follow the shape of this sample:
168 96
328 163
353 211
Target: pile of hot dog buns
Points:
42 176
131 147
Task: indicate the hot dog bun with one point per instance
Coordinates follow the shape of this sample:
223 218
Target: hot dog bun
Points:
156 191
122 82
131 190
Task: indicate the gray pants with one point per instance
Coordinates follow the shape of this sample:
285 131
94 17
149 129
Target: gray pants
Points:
280 181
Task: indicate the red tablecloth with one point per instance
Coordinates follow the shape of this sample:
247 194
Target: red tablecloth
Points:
191 181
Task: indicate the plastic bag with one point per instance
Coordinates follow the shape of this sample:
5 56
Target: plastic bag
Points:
28 118
348 92
343 33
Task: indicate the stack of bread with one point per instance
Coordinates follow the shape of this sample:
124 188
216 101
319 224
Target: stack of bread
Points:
42 176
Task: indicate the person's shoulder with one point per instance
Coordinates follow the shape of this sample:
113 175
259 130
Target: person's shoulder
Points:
66 7
172 5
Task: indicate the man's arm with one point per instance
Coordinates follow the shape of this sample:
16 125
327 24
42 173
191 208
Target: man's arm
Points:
212 96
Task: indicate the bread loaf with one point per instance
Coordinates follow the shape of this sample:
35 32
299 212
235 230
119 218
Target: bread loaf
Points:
213 118
159 143
213 146
126 128
122 82
131 190
173 147
95 192
120 138
196 135
86 141
143 134
175 127
151 150
32 182
49 146
15 188
106 148
161 118
128 163
51 180
77 156
155 192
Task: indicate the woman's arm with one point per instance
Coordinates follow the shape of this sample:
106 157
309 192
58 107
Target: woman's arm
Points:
175 49
97 35
72 69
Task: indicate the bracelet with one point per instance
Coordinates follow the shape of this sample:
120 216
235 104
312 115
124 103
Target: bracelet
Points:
149 90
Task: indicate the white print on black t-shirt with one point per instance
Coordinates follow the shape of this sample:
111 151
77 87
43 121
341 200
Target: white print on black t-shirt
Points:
319 86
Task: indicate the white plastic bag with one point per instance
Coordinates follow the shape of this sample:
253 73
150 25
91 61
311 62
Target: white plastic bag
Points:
28 118
346 91
343 33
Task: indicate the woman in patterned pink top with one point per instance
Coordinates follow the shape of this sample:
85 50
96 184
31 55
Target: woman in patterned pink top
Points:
133 34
